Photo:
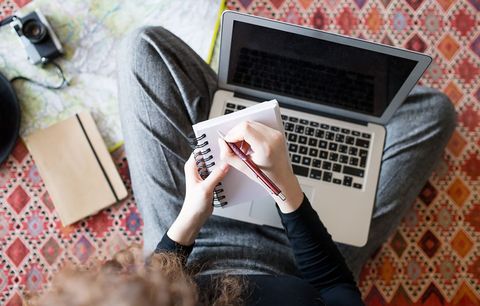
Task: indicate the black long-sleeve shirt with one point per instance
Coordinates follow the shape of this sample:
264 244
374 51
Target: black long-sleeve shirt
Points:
326 279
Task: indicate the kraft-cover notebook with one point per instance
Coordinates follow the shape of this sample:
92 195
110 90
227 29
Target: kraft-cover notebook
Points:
76 167
236 187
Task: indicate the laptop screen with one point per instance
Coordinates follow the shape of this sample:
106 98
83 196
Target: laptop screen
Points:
315 70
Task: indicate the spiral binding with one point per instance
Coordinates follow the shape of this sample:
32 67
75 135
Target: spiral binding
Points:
203 160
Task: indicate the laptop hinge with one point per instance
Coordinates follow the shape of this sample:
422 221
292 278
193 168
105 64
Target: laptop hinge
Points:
248 97
302 109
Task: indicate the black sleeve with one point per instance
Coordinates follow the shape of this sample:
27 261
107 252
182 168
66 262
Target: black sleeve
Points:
318 258
168 245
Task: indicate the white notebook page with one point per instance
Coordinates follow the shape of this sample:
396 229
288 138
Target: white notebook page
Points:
238 188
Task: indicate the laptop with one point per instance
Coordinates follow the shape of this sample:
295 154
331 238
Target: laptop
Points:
336 94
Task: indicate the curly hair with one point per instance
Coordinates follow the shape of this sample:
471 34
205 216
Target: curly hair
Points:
128 280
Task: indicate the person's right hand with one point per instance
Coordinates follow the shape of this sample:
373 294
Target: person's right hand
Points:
270 155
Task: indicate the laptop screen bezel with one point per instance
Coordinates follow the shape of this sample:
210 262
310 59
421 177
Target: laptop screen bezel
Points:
228 19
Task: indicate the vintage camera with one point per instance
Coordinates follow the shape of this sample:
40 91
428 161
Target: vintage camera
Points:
37 36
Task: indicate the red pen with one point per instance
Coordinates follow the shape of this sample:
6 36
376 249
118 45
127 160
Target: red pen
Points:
250 164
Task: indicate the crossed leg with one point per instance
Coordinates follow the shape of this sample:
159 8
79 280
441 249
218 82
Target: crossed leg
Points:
165 87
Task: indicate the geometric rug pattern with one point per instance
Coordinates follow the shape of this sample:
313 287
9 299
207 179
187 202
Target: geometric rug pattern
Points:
434 256
33 243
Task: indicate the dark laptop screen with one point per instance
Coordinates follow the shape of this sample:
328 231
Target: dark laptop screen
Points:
315 70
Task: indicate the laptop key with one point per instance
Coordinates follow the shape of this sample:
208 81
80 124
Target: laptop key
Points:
362 143
365 135
327 176
333 156
347 180
312 142
353 151
228 111
332 146
292 137
345 131
299 170
337 168
230 105
335 128
293 148
303 121
349 140
319 133
296 158
240 107
327 165
329 135
289 126
353 161
313 152
316 174
342 148
355 133
357 185
322 144
309 131
314 124
323 154
353 171
343 159
340 138
299 129
316 163
363 153
303 150
363 162
337 181
284 117
302 140
293 119
306 161
324 126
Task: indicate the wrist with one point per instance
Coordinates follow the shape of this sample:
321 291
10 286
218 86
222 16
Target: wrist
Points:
293 196
292 202
185 228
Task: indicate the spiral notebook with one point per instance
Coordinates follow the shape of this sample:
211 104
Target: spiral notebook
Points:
236 187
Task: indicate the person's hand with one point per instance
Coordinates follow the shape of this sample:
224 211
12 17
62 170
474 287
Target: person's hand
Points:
266 148
197 206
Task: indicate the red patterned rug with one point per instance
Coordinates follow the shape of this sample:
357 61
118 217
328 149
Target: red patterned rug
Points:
33 243
433 258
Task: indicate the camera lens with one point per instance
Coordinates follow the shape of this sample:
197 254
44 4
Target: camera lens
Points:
34 30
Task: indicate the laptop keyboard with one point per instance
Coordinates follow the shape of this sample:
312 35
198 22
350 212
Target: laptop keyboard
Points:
324 152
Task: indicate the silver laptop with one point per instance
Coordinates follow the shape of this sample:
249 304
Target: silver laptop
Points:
336 94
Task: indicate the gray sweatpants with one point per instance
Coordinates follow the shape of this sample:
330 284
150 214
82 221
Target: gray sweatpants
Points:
165 87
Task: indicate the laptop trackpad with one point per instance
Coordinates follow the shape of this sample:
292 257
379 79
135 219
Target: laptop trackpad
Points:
263 208
308 191
264 211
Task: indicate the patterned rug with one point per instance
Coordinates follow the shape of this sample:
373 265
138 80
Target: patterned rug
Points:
432 259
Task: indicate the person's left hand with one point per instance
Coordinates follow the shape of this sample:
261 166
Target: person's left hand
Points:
197 206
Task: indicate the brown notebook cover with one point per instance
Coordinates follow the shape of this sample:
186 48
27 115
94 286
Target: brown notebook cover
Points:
76 167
